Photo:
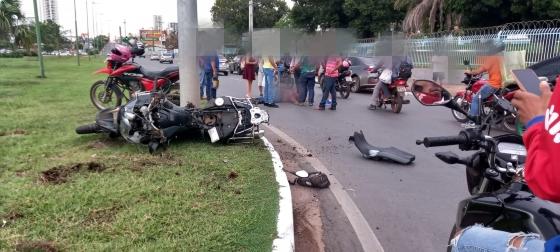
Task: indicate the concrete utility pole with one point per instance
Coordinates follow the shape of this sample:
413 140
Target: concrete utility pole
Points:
38 34
87 25
250 26
77 38
188 68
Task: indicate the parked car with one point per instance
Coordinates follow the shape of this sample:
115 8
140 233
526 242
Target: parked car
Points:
235 65
166 57
360 72
154 56
224 65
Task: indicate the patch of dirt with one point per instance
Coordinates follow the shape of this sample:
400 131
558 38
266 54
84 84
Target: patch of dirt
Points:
308 225
12 216
34 246
15 132
233 175
140 162
103 143
100 216
61 174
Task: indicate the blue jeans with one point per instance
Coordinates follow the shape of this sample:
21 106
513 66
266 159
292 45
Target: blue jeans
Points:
201 77
207 84
269 88
479 238
486 91
328 88
307 87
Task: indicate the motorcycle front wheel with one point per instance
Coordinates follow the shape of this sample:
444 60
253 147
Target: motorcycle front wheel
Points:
465 105
104 97
344 91
396 103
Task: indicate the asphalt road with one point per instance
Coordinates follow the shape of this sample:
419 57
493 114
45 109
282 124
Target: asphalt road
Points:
410 208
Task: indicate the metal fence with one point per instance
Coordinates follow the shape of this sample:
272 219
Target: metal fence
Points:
539 39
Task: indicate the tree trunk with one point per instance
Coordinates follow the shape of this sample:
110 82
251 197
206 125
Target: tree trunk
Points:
433 15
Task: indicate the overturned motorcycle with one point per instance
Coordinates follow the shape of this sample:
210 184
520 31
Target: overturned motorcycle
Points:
149 118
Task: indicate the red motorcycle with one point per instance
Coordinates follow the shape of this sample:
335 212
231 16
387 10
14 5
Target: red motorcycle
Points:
125 78
464 98
397 87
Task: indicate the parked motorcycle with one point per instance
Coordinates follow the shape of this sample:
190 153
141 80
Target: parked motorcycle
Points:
125 78
500 197
150 118
343 83
396 86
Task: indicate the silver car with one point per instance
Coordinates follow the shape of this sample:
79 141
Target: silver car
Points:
224 65
166 57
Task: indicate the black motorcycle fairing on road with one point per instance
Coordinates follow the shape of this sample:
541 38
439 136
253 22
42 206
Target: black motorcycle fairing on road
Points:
378 153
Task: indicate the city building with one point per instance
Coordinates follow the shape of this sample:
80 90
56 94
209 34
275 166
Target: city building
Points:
50 10
157 23
173 26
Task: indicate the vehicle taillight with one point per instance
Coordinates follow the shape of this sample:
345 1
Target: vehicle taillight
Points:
401 82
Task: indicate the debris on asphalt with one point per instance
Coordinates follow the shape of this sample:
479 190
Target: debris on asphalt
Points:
378 153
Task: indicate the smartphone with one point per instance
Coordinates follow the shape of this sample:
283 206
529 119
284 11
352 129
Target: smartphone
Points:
527 80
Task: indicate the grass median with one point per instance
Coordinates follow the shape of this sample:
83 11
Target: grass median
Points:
73 192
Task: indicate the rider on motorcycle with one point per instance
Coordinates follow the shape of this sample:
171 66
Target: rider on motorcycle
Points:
542 169
395 62
492 64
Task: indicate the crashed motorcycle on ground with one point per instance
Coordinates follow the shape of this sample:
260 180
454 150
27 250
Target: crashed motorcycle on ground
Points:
500 197
126 77
149 118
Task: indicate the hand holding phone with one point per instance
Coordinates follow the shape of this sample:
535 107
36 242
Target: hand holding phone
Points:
527 80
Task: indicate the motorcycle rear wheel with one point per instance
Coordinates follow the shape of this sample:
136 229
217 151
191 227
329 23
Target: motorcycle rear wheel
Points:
396 103
103 97
344 91
465 106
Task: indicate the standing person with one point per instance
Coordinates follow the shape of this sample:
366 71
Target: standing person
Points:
329 81
307 80
209 64
440 66
269 70
249 73
260 78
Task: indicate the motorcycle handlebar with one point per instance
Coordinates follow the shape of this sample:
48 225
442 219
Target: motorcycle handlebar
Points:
443 141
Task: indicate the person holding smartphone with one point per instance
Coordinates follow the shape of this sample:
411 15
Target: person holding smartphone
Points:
540 115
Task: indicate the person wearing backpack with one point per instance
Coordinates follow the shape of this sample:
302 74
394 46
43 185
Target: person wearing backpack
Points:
331 74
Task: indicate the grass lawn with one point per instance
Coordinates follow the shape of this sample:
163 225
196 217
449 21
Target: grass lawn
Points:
90 193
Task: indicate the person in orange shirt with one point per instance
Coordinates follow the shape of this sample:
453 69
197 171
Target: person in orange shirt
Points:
492 64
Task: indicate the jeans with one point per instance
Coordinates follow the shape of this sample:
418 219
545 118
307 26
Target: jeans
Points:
375 96
486 91
479 238
269 88
307 87
328 88
201 77
207 84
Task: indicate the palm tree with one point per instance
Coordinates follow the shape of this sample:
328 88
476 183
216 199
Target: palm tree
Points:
426 14
10 11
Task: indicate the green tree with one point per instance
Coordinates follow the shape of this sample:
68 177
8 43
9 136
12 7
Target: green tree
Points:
234 14
99 41
10 14
310 14
368 21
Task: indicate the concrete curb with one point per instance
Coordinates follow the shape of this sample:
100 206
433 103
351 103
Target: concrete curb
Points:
285 221
359 223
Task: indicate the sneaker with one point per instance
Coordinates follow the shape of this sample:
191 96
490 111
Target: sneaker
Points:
300 103
321 108
273 105
469 125
333 108
372 107
310 104
266 104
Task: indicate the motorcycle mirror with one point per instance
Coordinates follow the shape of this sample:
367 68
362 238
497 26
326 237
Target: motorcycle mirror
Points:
429 93
302 174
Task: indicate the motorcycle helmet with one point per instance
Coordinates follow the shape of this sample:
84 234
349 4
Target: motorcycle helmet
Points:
346 63
120 54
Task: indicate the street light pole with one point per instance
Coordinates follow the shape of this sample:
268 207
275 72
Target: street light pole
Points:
250 26
188 27
87 28
77 38
38 34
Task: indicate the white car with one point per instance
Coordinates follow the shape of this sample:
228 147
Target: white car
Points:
154 56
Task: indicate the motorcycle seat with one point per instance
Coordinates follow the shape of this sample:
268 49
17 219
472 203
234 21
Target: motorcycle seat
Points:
154 74
380 153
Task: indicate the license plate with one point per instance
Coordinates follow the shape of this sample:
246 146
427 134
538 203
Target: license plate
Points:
401 89
348 78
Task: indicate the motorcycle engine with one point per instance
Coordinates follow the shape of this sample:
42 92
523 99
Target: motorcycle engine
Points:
134 85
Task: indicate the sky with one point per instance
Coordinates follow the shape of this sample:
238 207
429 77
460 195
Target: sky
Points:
110 14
